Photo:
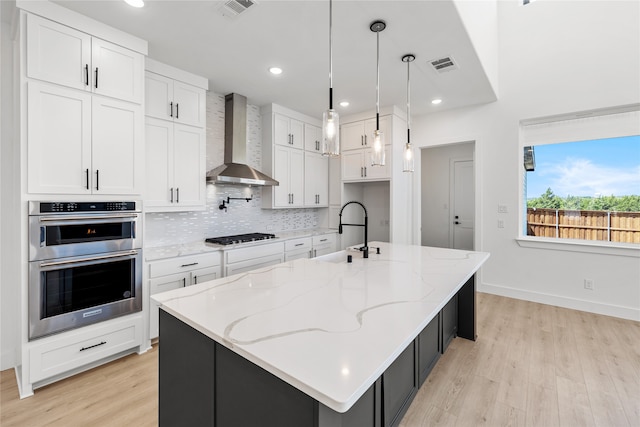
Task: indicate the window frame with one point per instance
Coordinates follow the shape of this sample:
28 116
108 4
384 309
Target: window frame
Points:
580 126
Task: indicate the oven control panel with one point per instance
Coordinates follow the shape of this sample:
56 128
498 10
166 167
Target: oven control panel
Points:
65 207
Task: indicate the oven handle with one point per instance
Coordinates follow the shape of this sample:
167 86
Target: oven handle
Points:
85 218
75 261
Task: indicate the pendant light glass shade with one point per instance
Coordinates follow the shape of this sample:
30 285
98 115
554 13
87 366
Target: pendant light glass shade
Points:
407 158
408 155
378 154
330 118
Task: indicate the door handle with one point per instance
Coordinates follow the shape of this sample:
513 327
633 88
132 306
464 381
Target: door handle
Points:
171 190
178 188
456 222
171 109
177 110
97 180
86 74
87 173
96 78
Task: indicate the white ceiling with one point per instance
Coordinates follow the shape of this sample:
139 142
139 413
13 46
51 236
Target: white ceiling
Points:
235 53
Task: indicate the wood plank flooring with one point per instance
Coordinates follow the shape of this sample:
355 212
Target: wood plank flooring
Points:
532 365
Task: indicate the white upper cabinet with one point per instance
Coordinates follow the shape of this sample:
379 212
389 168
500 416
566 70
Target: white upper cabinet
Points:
289 172
175 139
117 72
59 147
170 99
287 131
316 180
57 53
312 138
80 144
65 56
117 151
359 135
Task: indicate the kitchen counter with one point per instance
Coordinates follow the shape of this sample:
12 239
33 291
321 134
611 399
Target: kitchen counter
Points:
326 327
198 247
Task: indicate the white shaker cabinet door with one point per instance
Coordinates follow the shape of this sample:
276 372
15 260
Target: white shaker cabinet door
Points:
118 149
282 192
352 136
158 96
296 177
189 104
117 72
316 180
189 176
159 162
57 53
59 140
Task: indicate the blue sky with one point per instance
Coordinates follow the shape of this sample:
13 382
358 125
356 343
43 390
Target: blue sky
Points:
601 167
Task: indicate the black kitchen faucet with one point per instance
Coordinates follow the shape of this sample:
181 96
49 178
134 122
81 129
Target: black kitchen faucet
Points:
365 248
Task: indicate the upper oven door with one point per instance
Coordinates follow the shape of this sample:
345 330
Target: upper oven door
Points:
58 236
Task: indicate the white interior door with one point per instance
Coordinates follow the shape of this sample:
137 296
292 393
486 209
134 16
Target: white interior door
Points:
462 204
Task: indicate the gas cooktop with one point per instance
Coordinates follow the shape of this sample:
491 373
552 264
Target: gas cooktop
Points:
239 238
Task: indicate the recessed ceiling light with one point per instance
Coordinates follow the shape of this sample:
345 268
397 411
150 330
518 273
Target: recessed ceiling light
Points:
135 3
436 101
344 103
275 70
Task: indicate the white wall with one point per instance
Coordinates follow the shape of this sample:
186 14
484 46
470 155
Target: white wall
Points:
435 191
555 57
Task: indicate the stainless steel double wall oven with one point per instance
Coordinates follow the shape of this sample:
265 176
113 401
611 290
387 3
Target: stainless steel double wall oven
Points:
85 264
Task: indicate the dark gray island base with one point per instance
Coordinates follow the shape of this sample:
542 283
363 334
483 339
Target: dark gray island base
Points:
203 383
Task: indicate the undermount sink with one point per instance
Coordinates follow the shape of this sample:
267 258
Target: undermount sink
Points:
335 257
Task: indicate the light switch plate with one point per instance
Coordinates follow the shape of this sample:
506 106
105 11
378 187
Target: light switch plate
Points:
502 209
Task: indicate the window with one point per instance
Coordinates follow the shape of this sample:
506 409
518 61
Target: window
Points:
581 177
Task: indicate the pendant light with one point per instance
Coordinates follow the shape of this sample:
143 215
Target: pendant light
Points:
330 118
378 156
408 155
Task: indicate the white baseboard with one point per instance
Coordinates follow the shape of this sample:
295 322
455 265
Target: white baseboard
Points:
629 313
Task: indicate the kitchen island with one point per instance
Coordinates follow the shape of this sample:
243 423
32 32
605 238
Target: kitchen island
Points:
313 342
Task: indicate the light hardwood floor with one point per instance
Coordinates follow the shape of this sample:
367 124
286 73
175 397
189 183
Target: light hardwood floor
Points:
532 365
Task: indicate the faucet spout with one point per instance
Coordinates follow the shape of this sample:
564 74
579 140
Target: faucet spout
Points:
364 248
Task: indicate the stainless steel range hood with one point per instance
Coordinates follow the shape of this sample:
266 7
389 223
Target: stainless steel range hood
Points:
235 169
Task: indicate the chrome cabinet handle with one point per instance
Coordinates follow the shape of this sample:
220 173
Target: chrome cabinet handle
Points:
86 218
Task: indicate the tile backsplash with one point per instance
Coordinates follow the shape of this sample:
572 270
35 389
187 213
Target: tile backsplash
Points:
170 228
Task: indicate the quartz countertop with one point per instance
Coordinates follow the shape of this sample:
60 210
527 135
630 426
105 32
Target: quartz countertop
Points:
198 247
325 326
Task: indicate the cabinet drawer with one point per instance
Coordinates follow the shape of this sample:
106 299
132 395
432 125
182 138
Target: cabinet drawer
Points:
324 240
69 351
254 263
244 254
297 244
185 263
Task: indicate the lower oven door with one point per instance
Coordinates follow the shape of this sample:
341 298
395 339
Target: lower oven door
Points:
72 292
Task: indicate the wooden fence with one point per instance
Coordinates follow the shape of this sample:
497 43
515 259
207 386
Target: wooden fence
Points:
586 225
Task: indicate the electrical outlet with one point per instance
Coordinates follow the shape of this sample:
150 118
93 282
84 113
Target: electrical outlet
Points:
501 223
588 284
502 209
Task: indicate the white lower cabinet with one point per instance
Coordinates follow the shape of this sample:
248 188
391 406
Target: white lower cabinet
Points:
297 248
174 273
323 244
247 259
66 352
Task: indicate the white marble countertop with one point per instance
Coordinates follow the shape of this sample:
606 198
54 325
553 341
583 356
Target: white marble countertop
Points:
325 326
198 247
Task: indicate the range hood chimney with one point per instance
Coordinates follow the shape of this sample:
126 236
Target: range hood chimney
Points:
235 169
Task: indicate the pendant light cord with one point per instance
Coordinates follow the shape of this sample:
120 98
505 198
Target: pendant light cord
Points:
330 56
377 80
408 104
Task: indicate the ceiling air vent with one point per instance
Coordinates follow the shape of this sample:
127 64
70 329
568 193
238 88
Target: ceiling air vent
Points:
444 64
233 8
